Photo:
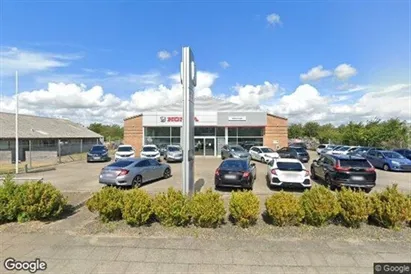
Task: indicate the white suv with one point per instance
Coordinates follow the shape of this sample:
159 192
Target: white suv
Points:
124 152
263 154
150 151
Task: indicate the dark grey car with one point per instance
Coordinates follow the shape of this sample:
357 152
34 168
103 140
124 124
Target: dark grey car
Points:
234 151
133 172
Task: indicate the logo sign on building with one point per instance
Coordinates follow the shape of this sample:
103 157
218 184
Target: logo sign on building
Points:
173 119
237 118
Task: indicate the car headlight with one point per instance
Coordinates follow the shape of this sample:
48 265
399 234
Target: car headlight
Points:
395 163
88 154
236 156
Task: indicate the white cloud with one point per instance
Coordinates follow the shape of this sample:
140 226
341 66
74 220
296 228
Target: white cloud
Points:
26 62
316 73
82 104
163 55
224 64
351 88
273 19
254 95
345 71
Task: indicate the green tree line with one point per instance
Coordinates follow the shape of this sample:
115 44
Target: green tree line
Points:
110 132
392 133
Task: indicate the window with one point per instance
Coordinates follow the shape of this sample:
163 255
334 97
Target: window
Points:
143 163
354 163
234 165
157 131
328 161
393 155
372 153
321 146
121 164
267 150
237 149
232 131
176 131
232 141
153 162
175 141
220 131
149 149
173 149
300 149
158 141
289 166
250 131
125 148
204 131
283 149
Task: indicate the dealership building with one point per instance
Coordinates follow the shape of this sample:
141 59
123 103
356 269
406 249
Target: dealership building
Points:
217 122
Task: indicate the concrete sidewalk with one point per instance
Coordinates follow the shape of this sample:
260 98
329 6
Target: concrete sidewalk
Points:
104 254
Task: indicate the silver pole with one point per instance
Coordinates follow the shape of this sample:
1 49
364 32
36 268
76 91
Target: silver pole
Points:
17 123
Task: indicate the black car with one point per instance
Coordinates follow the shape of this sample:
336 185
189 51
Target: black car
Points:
344 170
235 173
98 153
404 152
294 152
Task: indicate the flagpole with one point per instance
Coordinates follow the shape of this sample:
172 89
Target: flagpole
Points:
17 123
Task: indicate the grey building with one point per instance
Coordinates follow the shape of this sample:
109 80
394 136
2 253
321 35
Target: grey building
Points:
42 137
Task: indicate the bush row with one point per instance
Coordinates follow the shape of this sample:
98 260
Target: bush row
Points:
29 201
317 207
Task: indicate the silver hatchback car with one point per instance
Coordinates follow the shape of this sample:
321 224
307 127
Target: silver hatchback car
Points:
173 154
133 172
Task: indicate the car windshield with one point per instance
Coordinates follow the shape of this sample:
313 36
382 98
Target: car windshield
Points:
121 164
173 149
98 149
237 149
344 148
267 150
331 147
321 146
123 149
354 163
234 165
393 155
362 149
289 166
149 149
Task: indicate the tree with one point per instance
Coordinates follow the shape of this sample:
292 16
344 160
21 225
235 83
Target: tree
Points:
311 129
295 131
110 132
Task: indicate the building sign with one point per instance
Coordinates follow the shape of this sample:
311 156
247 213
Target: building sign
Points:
237 118
171 119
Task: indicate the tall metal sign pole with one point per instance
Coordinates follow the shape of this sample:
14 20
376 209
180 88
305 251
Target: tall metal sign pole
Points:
189 81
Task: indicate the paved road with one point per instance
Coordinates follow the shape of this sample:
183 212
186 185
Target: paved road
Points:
105 254
83 177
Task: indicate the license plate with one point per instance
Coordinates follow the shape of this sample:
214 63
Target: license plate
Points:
230 176
96 158
357 178
304 159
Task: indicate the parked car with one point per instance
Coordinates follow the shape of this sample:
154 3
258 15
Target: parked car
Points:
388 160
98 153
344 170
234 151
247 145
173 153
328 149
298 144
294 152
162 148
343 150
133 172
287 173
404 152
150 151
124 152
235 173
359 151
263 154
321 147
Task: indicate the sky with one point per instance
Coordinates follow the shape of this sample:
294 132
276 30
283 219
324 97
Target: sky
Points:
102 61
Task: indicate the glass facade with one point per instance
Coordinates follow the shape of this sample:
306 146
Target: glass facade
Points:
208 140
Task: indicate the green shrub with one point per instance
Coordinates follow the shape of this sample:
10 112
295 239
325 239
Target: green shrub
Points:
244 208
40 201
355 207
137 208
320 206
108 202
390 208
10 205
284 209
171 208
207 209
409 210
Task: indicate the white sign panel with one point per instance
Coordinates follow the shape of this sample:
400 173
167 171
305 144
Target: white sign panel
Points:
161 119
237 118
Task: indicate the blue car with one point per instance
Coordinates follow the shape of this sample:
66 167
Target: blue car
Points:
404 152
388 160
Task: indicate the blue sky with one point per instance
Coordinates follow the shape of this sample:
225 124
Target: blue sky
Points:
105 43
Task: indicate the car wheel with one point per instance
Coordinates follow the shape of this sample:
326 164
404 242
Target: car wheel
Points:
386 167
137 181
313 176
262 160
367 190
222 157
328 181
167 173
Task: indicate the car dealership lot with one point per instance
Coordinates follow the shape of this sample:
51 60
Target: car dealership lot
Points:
83 177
